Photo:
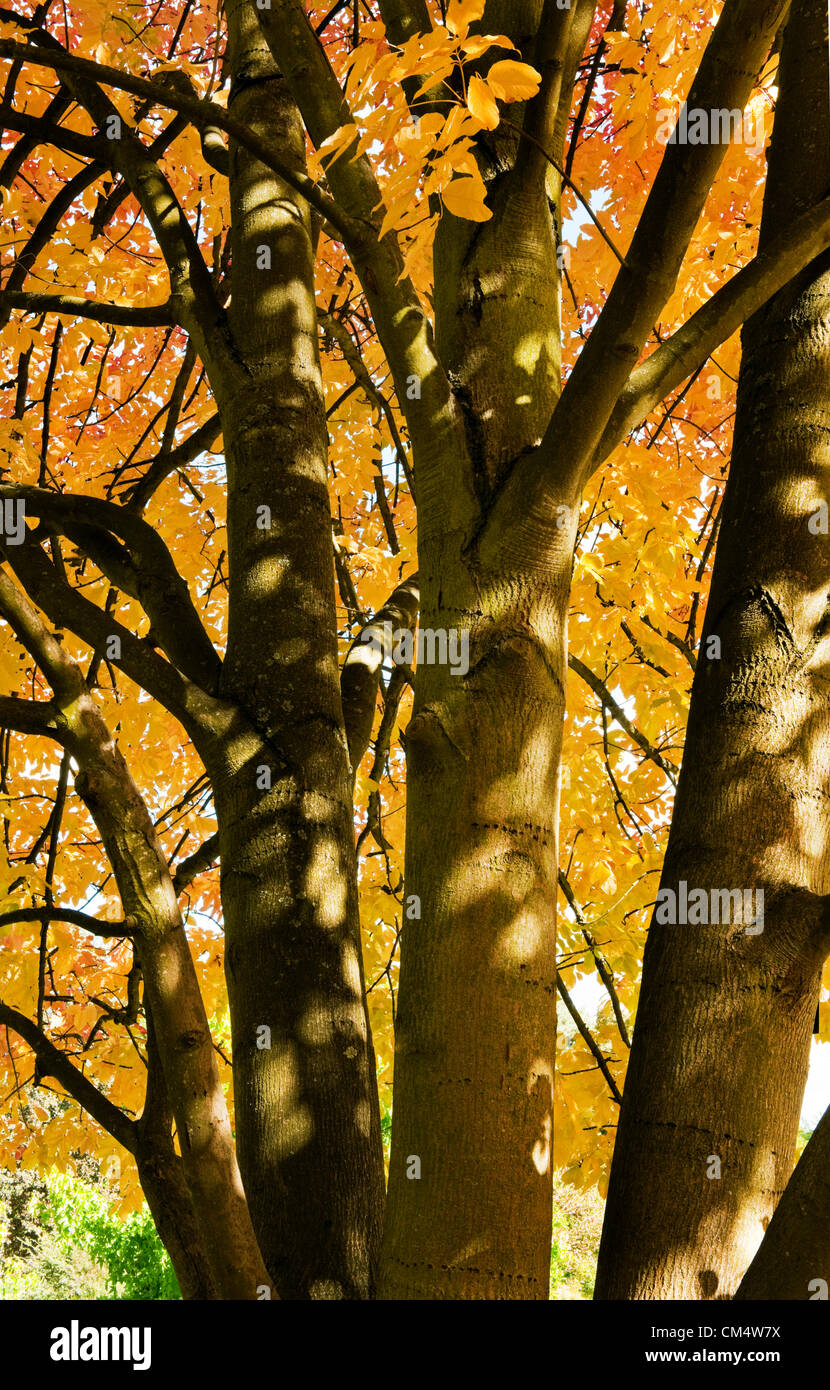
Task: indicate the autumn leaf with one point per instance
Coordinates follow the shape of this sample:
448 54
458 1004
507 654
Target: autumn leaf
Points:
461 14
513 81
464 197
482 103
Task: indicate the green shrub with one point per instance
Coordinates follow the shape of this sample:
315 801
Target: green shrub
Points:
577 1226
61 1239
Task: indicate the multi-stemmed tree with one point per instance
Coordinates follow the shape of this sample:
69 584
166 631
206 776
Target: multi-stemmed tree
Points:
393 186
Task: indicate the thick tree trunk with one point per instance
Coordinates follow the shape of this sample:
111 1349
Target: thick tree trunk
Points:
307 1117
722 1037
469 1208
469 1202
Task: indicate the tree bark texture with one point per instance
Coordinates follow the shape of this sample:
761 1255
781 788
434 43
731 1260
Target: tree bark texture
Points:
469 1201
308 1124
722 1038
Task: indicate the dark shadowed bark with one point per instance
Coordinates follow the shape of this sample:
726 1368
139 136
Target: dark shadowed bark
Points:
722 1038
308 1124
793 1259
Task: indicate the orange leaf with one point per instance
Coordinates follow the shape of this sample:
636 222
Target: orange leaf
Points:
512 81
464 198
482 103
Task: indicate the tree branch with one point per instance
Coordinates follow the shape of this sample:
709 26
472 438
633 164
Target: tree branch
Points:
201 111
91 924
144 569
403 328
340 333
548 158
65 607
599 960
795 1250
552 48
523 520
362 665
138 494
51 1061
725 78
687 350
585 1033
203 858
61 672
403 19
40 717
38 130
120 315
601 690
192 294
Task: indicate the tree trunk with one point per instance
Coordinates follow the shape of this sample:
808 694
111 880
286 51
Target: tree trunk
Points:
793 1260
164 1186
174 1002
469 1207
470 1200
172 996
722 1039
308 1122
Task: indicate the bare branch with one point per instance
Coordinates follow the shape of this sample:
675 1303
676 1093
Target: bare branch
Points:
138 494
585 1033
61 672
39 717
106 930
401 323
340 333
68 608
203 113
52 1061
687 350
121 315
144 569
599 960
524 516
364 659
601 690
202 859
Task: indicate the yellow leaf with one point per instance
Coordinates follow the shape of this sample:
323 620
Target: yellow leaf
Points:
479 43
337 143
482 103
464 198
461 14
513 81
